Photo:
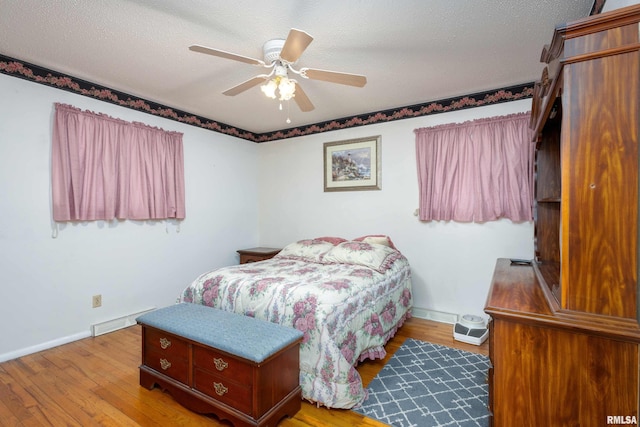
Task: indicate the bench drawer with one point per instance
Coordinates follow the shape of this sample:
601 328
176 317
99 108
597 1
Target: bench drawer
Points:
174 367
221 388
165 343
222 365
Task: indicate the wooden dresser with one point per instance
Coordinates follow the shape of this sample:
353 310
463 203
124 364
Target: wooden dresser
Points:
241 369
564 340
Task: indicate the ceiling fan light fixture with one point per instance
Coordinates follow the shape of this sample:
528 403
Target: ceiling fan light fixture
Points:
269 88
286 88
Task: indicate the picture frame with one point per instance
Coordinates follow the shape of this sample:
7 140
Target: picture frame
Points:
353 164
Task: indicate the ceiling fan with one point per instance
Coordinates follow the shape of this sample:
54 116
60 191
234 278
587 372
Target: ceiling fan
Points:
280 56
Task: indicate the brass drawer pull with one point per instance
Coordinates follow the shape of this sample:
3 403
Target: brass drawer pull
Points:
220 388
164 343
165 364
221 365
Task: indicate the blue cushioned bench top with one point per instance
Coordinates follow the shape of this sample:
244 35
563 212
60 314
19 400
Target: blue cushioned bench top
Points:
242 336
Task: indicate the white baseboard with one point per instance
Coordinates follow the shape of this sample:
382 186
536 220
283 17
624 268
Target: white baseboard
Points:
117 323
437 316
97 329
43 346
129 320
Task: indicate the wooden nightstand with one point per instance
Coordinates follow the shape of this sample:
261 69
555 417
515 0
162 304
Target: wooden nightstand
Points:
257 254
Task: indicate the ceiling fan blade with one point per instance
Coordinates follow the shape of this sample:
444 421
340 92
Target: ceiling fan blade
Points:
296 43
245 85
226 55
334 77
302 99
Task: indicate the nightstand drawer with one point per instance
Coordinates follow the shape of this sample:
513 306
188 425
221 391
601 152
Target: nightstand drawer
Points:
245 259
257 254
221 365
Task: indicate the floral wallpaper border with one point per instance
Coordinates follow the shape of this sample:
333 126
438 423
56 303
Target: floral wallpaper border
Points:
16 68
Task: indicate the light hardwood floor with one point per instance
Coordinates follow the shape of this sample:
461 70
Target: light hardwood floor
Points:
94 382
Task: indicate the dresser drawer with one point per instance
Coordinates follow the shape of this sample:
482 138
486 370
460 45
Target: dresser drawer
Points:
222 365
223 389
172 366
165 343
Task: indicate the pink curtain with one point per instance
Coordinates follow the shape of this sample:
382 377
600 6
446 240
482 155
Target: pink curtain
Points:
105 168
476 171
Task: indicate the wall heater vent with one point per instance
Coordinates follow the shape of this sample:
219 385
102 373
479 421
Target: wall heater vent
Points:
118 323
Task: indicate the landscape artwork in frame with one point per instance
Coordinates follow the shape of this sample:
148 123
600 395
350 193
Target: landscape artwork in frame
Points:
352 164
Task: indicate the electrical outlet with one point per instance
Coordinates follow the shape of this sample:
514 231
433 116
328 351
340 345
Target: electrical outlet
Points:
96 301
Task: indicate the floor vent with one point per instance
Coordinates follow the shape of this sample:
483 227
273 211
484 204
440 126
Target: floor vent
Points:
118 323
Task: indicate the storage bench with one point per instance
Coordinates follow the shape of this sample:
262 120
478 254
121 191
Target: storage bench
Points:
211 361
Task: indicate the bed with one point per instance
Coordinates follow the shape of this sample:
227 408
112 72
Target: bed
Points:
348 298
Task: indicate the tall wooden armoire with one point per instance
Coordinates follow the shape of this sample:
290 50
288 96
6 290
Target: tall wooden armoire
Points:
564 340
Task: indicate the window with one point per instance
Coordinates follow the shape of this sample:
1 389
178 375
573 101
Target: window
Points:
105 168
476 171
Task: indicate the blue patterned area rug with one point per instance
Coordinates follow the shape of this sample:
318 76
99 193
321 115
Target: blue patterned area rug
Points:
425 385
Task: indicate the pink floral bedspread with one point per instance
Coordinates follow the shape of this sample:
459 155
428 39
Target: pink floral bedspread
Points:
347 313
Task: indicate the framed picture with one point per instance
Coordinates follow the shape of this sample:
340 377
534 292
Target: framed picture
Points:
352 164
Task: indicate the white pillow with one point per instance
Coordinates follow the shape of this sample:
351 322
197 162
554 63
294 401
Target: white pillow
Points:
380 239
371 255
305 250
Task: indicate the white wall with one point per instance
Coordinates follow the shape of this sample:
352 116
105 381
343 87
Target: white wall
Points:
238 194
616 4
452 263
46 284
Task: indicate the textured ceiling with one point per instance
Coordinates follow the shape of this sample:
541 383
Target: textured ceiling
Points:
412 51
